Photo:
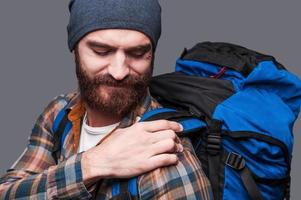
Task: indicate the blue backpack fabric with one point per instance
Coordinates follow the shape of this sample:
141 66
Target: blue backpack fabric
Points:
249 103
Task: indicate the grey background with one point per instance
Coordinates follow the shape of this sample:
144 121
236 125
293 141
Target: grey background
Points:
36 65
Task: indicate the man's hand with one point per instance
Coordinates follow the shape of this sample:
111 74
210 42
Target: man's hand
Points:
131 151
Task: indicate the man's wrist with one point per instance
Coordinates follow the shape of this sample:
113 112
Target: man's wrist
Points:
90 171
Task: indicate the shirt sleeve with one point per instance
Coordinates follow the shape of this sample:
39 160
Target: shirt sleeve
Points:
186 180
35 174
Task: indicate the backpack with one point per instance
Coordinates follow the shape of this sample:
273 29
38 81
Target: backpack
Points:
238 107
248 103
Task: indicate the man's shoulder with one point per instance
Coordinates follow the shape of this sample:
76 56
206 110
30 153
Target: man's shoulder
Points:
60 102
67 99
185 180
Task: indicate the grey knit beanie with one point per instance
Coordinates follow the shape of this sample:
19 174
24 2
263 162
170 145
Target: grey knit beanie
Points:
90 15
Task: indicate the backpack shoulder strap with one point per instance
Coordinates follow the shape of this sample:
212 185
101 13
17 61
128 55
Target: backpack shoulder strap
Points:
61 125
189 122
59 128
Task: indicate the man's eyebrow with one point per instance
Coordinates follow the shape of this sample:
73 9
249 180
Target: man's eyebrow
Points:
96 44
143 47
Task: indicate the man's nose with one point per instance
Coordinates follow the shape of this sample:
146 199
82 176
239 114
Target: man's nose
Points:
119 67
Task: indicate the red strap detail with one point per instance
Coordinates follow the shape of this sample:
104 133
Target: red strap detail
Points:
220 73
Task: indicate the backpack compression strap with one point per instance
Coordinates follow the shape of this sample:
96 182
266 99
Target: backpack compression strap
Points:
128 189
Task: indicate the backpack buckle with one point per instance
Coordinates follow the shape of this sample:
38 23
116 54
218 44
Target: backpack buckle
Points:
213 144
214 138
235 161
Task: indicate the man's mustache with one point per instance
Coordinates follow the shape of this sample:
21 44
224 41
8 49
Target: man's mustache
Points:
108 80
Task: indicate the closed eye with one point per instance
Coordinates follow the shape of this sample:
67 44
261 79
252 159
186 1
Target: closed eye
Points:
136 54
139 52
103 52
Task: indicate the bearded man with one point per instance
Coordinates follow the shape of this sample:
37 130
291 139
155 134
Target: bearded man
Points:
114 44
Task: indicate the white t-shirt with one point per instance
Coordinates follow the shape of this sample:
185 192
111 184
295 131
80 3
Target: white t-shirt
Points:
90 136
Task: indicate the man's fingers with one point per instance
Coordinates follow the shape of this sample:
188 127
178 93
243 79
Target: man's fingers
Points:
159 125
165 134
166 146
163 160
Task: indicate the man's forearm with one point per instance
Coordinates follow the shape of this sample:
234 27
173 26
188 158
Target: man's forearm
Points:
63 181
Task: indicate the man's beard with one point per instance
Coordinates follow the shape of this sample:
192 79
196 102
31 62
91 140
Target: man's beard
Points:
105 94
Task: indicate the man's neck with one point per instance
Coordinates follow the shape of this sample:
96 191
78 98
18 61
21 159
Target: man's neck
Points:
100 119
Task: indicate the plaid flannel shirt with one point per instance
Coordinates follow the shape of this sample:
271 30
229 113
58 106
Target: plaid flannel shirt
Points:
35 174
